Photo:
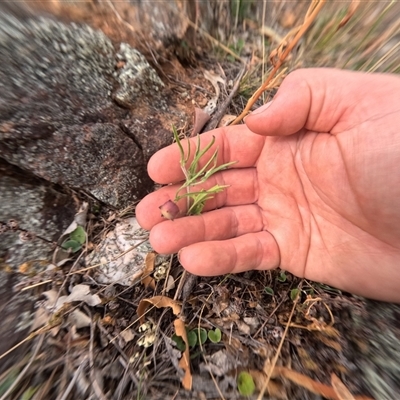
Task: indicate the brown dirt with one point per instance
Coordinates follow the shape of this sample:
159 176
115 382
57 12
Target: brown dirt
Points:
332 332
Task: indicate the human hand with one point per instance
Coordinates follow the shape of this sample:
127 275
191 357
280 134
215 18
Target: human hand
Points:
315 190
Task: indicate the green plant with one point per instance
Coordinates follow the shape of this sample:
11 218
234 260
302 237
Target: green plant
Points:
180 344
240 8
294 293
215 335
282 277
269 291
75 241
197 336
195 175
245 384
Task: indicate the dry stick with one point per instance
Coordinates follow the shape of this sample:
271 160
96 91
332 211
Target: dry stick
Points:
278 351
215 120
308 21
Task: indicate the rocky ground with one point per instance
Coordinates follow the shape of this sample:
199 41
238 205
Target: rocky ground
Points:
88 92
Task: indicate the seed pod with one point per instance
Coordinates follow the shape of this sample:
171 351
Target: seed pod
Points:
169 210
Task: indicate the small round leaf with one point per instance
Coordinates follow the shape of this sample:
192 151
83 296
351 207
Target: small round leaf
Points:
245 384
180 344
202 335
294 293
282 277
72 245
79 235
192 338
215 335
269 291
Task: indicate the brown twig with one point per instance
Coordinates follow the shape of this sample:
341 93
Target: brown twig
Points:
270 370
312 13
216 118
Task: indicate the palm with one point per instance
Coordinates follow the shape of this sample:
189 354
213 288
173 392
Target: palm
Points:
325 229
319 200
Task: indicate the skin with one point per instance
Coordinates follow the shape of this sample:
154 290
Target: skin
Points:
315 190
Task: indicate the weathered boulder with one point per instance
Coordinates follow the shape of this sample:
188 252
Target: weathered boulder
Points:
37 207
78 112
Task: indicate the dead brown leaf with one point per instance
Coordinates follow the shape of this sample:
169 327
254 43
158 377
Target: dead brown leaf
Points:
313 386
275 389
147 280
180 330
334 344
340 389
200 119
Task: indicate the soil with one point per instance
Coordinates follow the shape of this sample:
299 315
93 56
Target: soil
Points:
102 350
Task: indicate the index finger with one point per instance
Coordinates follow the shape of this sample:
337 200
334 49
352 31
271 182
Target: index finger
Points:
236 143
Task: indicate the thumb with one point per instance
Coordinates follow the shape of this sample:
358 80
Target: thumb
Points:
322 100
287 113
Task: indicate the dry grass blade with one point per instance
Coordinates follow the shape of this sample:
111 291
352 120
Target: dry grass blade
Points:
271 367
312 13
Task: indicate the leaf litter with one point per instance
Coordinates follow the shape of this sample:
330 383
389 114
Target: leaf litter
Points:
106 299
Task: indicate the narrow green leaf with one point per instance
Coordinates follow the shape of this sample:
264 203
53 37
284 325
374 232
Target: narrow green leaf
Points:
6 383
206 166
28 394
199 154
215 189
219 168
178 141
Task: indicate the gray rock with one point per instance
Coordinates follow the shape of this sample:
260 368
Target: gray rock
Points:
38 208
137 80
72 108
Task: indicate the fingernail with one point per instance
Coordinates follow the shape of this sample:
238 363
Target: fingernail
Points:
262 108
179 255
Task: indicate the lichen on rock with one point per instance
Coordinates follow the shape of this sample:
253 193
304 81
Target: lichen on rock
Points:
137 79
66 99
